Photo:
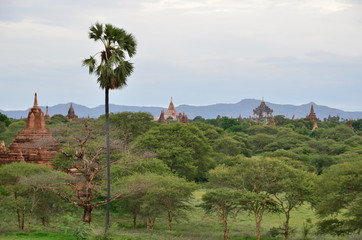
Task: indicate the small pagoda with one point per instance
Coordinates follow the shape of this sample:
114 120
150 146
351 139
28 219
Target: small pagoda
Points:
71 113
312 115
47 116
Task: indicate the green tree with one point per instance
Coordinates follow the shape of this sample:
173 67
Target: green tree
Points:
258 178
58 118
12 130
21 197
172 194
225 203
232 145
259 141
83 156
183 148
129 125
338 198
166 195
339 133
112 71
4 119
296 188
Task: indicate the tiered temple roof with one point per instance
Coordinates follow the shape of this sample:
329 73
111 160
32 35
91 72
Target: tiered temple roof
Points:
262 112
171 112
34 143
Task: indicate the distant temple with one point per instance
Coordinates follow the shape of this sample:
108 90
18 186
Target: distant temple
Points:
172 115
71 114
171 112
47 116
34 144
262 112
162 119
312 115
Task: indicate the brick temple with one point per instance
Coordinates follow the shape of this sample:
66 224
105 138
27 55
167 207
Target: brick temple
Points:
34 144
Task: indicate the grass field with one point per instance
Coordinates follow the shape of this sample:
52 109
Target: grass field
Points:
198 227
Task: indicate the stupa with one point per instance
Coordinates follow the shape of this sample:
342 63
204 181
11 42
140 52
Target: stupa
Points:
34 143
47 116
312 115
71 114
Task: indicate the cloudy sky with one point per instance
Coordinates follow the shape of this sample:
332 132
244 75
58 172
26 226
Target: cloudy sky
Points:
199 52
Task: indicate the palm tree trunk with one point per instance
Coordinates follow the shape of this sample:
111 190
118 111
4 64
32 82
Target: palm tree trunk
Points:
108 161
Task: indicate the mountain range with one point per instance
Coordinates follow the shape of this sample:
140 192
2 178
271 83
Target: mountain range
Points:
244 108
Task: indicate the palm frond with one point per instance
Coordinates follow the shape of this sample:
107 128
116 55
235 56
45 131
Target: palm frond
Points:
90 63
96 31
130 44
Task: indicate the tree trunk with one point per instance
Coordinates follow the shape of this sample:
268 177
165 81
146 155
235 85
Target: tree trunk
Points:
134 220
170 216
150 223
42 220
17 209
286 226
257 226
87 213
29 219
23 219
108 161
226 229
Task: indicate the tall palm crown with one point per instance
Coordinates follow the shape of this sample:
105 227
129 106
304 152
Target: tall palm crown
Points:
112 69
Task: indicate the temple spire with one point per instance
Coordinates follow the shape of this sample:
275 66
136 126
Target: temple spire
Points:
311 109
47 116
35 100
171 106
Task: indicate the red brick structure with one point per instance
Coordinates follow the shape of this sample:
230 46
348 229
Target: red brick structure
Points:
71 114
34 143
184 118
47 116
162 119
312 115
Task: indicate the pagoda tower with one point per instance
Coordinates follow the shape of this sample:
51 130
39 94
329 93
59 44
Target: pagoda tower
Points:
184 118
312 115
71 114
162 119
47 116
34 143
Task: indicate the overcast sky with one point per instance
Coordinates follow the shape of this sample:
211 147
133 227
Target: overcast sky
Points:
199 52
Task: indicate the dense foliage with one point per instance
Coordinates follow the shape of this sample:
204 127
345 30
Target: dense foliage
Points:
242 168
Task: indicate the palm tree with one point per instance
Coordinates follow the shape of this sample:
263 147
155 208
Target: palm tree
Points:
112 70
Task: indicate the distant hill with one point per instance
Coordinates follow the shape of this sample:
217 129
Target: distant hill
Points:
244 108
